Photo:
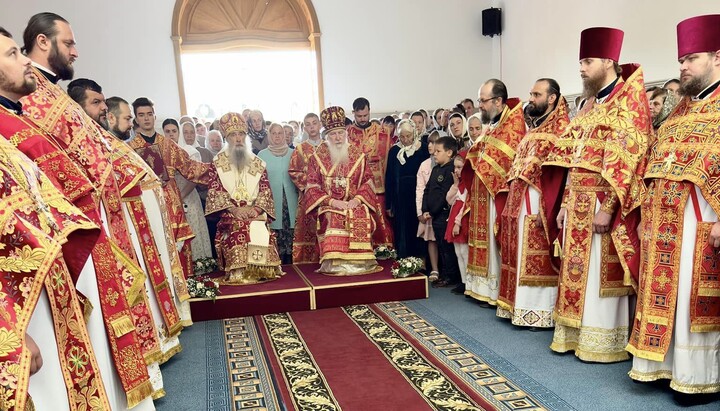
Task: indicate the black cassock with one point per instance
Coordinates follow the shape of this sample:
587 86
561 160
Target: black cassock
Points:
400 183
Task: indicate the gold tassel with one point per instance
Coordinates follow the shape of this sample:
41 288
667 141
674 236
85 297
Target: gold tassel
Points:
557 249
175 329
139 393
29 404
122 326
170 353
138 284
258 272
86 307
153 357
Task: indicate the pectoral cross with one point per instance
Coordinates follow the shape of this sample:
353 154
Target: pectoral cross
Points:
669 160
579 149
340 182
257 255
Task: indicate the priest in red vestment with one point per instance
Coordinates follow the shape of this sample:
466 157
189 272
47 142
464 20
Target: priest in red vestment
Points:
375 144
47 359
676 332
239 191
56 133
528 281
592 187
485 174
340 194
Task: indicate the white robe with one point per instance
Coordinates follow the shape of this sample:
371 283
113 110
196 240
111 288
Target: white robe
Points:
533 305
604 330
692 362
46 387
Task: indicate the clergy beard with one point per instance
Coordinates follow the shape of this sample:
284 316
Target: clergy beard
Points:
103 121
239 157
488 115
27 86
537 109
339 155
122 136
694 85
59 64
592 86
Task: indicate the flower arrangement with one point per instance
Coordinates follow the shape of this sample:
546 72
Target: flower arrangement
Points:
385 253
203 287
204 266
406 267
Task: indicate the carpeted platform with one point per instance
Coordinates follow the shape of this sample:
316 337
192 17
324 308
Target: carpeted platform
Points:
288 293
361 357
338 291
301 288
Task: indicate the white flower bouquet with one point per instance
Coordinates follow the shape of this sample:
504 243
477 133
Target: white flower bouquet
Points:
204 266
406 267
385 253
203 287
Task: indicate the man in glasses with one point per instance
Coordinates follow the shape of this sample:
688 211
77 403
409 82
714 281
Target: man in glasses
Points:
485 173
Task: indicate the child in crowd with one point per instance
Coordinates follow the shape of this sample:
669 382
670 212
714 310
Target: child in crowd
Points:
457 227
425 230
436 207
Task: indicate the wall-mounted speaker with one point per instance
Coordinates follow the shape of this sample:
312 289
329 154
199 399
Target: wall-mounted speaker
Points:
491 19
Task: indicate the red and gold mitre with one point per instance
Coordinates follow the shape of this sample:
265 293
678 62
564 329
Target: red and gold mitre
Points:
333 117
231 122
601 42
698 34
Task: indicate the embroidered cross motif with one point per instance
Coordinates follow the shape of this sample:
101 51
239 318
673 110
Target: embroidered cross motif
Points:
669 160
257 255
667 236
256 167
663 279
711 262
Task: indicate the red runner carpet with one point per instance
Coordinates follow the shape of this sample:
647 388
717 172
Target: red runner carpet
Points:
356 358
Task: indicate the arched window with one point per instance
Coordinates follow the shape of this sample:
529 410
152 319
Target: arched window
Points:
245 30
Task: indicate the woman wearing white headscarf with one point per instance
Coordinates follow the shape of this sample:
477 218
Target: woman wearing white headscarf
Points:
285 196
458 129
475 127
403 163
200 245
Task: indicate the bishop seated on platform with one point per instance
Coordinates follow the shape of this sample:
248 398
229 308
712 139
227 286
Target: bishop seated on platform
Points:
340 194
240 192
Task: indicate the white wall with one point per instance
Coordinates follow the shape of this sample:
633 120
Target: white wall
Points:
403 54
123 45
400 54
541 38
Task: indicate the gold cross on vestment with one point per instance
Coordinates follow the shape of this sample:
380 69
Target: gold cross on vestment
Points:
579 149
340 182
669 160
257 255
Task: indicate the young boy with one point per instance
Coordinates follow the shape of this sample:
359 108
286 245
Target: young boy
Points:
457 228
436 207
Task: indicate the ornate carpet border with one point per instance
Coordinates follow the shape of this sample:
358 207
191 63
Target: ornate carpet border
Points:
218 394
307 385
452 346
250 378
429 381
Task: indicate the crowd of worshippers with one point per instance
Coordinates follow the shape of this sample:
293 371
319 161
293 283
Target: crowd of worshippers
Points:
601 225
